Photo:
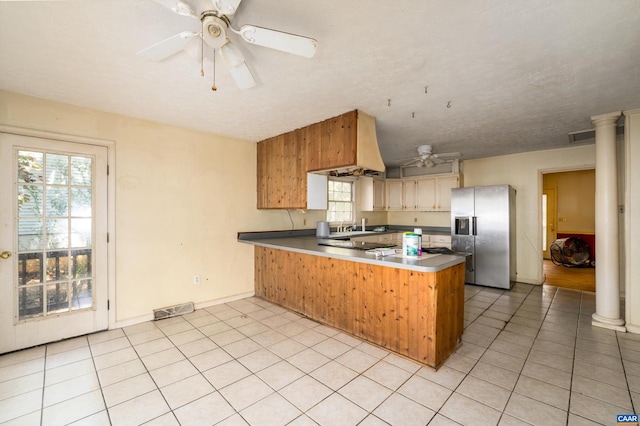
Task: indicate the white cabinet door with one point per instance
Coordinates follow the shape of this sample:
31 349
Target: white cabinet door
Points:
444 185
394 194
317 192
426 194
409 194
378 194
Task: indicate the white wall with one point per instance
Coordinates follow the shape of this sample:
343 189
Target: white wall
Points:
524 173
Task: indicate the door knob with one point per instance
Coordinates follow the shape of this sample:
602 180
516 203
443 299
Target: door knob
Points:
5 254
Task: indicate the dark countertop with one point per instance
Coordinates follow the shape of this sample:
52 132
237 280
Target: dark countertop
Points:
305 241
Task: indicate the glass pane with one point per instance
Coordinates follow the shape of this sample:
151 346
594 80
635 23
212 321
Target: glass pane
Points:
29 268
29 200
81 202
30 302
57 201
80 232
30 166
57 265
57 169
29 234
81 263
57 233
81 171
82 295
57 298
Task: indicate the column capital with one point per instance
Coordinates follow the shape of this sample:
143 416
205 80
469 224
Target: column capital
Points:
604 119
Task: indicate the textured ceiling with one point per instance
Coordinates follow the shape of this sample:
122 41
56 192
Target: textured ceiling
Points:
500 76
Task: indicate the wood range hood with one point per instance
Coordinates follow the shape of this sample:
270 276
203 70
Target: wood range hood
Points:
347 146
293 168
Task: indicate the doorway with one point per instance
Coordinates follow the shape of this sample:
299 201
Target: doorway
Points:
568 211
53 263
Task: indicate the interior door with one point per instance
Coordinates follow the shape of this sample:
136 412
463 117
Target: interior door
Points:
53 240
549 220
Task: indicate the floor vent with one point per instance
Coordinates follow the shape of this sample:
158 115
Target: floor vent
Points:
172 311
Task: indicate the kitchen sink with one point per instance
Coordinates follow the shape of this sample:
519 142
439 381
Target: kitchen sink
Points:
357 245
349 234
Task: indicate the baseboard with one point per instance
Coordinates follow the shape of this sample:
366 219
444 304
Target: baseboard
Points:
201 305
214 302
635 329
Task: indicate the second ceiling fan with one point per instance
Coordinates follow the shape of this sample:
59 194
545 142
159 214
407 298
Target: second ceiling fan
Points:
216 26
426 157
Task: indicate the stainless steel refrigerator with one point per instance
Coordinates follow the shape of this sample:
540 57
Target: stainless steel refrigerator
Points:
483 224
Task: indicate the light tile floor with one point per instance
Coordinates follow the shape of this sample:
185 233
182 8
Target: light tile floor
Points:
529 356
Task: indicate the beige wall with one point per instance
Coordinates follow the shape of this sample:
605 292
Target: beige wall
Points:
576 195
420 218
181 197
632 207
524 173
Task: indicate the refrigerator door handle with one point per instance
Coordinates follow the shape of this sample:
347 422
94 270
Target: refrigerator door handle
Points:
474 225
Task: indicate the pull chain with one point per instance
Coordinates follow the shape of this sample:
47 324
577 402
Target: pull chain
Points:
214 88
202 51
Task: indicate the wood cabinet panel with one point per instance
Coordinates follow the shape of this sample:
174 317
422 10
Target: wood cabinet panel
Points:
334 142
416 314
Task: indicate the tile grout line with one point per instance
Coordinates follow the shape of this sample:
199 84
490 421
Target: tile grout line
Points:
95 367
44 381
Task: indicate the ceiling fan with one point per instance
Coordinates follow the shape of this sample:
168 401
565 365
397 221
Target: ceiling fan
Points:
216 27
426 157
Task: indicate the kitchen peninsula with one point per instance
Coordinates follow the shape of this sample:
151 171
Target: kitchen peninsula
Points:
412 306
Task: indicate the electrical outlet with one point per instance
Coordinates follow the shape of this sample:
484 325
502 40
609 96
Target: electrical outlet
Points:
415 220
304 222
196 279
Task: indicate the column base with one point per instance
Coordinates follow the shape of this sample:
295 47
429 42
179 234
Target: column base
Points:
611 324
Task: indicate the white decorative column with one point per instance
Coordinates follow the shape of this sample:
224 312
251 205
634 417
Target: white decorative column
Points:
607 313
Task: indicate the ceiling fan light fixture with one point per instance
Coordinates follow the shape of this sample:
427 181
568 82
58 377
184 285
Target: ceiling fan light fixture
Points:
429 164
182 8
227 7
242 76
231 55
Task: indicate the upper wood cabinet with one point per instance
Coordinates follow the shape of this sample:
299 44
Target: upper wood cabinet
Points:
281 172
346 141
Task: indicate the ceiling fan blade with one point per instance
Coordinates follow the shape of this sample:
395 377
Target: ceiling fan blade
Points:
237 66
177 6
408 163
165 48
278 40
447 154
226 7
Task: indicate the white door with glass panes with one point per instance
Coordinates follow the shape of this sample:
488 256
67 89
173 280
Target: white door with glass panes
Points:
53 240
